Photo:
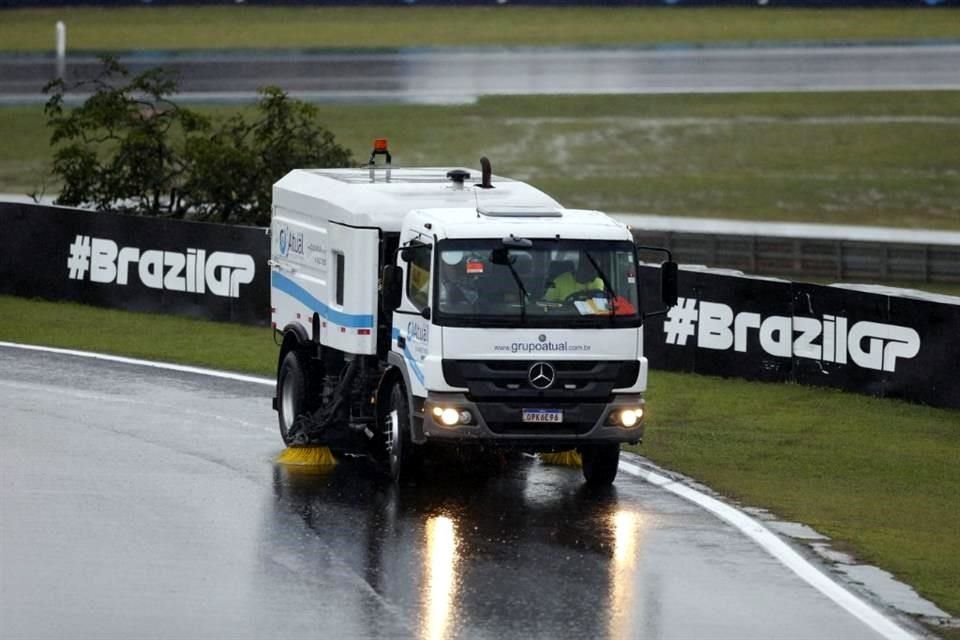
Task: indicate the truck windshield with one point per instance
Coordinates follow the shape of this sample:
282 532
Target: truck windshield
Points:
552 283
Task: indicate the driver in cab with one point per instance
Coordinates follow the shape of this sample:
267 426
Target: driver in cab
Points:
455 286
583 278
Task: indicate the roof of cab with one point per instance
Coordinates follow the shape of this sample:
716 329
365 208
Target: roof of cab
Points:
567 223
382 197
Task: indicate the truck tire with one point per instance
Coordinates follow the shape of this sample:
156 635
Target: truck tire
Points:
600 463
401 456
293 391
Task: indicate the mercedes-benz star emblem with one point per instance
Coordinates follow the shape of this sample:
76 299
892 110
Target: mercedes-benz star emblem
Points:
542 375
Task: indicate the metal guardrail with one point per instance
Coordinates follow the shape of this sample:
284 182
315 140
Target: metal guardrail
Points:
812 258
806 251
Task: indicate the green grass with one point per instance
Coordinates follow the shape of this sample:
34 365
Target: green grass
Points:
845 158
879 476
284 27
26 155
141 335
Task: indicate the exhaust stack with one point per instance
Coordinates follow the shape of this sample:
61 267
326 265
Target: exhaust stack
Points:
486 173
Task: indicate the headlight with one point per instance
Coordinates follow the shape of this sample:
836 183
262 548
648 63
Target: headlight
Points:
626 418
451 416
630 417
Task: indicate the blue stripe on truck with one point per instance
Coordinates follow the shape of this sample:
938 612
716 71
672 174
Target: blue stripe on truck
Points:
282 283
414 365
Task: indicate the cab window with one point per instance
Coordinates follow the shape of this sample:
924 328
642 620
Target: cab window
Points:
418 274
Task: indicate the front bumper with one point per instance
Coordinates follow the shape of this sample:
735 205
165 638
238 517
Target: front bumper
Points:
501 422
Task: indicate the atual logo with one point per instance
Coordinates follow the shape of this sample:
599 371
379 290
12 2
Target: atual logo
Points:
871 345
418 332
289 242
221 273
542 375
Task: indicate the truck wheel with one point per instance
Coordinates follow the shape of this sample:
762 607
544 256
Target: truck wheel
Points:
600 463
293 385
401 455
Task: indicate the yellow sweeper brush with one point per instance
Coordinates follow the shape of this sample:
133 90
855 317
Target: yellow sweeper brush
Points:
307 457
569 458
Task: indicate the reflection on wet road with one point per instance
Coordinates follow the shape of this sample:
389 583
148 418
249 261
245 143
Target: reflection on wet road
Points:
484 556
462 75
139 503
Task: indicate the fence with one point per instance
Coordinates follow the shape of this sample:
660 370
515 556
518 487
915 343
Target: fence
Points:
813 258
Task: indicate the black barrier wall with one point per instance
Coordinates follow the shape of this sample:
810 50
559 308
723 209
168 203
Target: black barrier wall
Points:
140 264
724 324
774 330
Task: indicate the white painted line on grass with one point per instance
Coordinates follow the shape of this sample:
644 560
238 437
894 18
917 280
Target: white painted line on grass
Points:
751 528
777 548
181 368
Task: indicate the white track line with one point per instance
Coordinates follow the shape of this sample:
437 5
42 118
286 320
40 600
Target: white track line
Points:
749 527
777 548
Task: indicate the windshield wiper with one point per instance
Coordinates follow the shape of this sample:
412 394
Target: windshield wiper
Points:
608 289
504 258
523 291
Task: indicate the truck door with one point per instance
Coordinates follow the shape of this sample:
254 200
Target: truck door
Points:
349 313
411 331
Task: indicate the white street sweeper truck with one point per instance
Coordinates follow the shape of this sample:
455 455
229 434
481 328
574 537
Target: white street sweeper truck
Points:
434 306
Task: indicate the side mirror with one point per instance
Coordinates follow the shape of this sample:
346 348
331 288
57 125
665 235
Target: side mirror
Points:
406 254
392 287
669 283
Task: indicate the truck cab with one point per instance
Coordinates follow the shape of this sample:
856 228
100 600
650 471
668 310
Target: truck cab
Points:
418 310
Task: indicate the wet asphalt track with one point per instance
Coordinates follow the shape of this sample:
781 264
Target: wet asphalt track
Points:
142 503
452 76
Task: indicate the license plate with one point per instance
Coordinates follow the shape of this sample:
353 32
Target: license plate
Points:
542 415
